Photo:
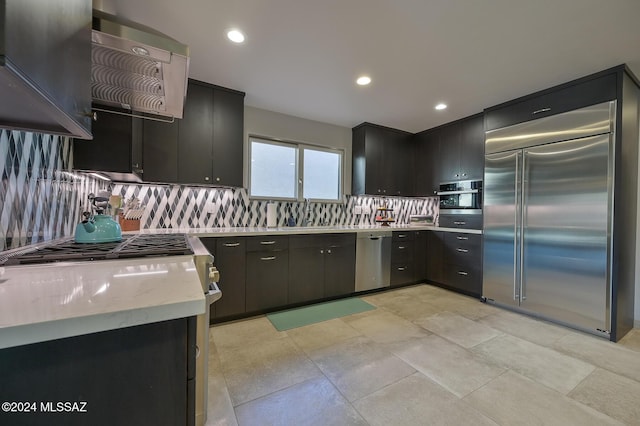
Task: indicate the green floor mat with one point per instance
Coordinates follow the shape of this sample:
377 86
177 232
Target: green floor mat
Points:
292 318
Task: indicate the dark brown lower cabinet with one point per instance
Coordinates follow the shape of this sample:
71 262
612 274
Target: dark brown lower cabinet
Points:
420 256
306 269
229 257
340 265
463 262
142 375
267 279
435 248
321 266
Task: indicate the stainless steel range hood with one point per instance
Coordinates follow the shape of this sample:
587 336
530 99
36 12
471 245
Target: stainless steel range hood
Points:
137 68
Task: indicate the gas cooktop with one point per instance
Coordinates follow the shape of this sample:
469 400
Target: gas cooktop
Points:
131 246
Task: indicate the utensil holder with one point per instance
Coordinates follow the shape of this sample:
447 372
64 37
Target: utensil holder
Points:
128 224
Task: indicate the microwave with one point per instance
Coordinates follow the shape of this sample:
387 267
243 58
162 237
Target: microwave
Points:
463 197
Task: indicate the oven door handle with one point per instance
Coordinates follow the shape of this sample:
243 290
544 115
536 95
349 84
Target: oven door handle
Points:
468 191
214 293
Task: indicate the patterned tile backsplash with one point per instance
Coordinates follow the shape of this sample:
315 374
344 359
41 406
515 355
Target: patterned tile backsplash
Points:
177 206
40 199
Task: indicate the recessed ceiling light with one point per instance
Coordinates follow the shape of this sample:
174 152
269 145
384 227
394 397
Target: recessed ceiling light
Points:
235 36
441 106
364 80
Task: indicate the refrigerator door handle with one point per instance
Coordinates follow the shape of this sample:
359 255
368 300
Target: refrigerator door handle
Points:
521 226
516 233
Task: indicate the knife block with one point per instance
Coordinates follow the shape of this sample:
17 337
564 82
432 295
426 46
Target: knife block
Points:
128 224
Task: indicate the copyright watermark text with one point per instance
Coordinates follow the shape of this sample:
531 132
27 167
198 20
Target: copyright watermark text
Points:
44 406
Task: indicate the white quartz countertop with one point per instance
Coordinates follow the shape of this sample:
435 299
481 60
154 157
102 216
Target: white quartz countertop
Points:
286 230
58 300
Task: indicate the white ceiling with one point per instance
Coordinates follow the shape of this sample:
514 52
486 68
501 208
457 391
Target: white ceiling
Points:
302 57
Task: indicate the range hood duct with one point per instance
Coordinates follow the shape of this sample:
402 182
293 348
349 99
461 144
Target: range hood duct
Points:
137 68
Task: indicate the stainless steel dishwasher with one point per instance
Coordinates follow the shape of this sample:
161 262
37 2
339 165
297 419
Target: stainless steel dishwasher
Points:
373 260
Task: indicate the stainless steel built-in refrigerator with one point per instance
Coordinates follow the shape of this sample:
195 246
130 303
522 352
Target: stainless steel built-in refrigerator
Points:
548 196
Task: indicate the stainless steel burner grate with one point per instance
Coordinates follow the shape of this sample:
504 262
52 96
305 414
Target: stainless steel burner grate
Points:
131 246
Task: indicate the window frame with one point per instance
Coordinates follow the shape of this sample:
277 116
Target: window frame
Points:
300 148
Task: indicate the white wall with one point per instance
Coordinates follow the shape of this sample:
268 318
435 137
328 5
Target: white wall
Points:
260 122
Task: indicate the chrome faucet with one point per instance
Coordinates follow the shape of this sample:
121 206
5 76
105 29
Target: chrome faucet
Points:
305 213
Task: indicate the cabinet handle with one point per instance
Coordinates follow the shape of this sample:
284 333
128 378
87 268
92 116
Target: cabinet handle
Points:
206 178
464 174
462 238
464 274
217 179
462 250
321 251
401 247
329 251
268 258
267 243
457 175
401 268
231 244
459 223
402 235
541 110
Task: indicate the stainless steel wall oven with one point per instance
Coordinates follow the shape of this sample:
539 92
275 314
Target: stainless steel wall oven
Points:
463 197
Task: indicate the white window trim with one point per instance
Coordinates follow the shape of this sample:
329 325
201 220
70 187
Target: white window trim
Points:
300 147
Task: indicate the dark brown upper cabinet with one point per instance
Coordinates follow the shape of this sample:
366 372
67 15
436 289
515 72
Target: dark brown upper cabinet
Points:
210 145
382 161
462 149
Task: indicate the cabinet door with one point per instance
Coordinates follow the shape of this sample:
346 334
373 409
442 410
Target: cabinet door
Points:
435 246
160 151
340 267
111 147
420 255
450 153
267 279
228 131
195 150
306 272
426 163
472 148
573 95
230 261
399 153
120 373
374 155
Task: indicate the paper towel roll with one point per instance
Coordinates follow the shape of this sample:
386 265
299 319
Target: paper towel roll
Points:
272 215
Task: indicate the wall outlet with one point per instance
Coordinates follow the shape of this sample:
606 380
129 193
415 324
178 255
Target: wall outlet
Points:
209 208
357 210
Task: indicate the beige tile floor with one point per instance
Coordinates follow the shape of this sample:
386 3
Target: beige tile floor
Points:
425 356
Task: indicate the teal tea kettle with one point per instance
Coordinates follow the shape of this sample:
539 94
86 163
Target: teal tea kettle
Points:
99 228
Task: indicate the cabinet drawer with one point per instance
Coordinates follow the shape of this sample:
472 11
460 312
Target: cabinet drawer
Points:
228 243
573 95
402 251
469 242
467 280
267 242
403 235
304 241
463 221
339 240
401 273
